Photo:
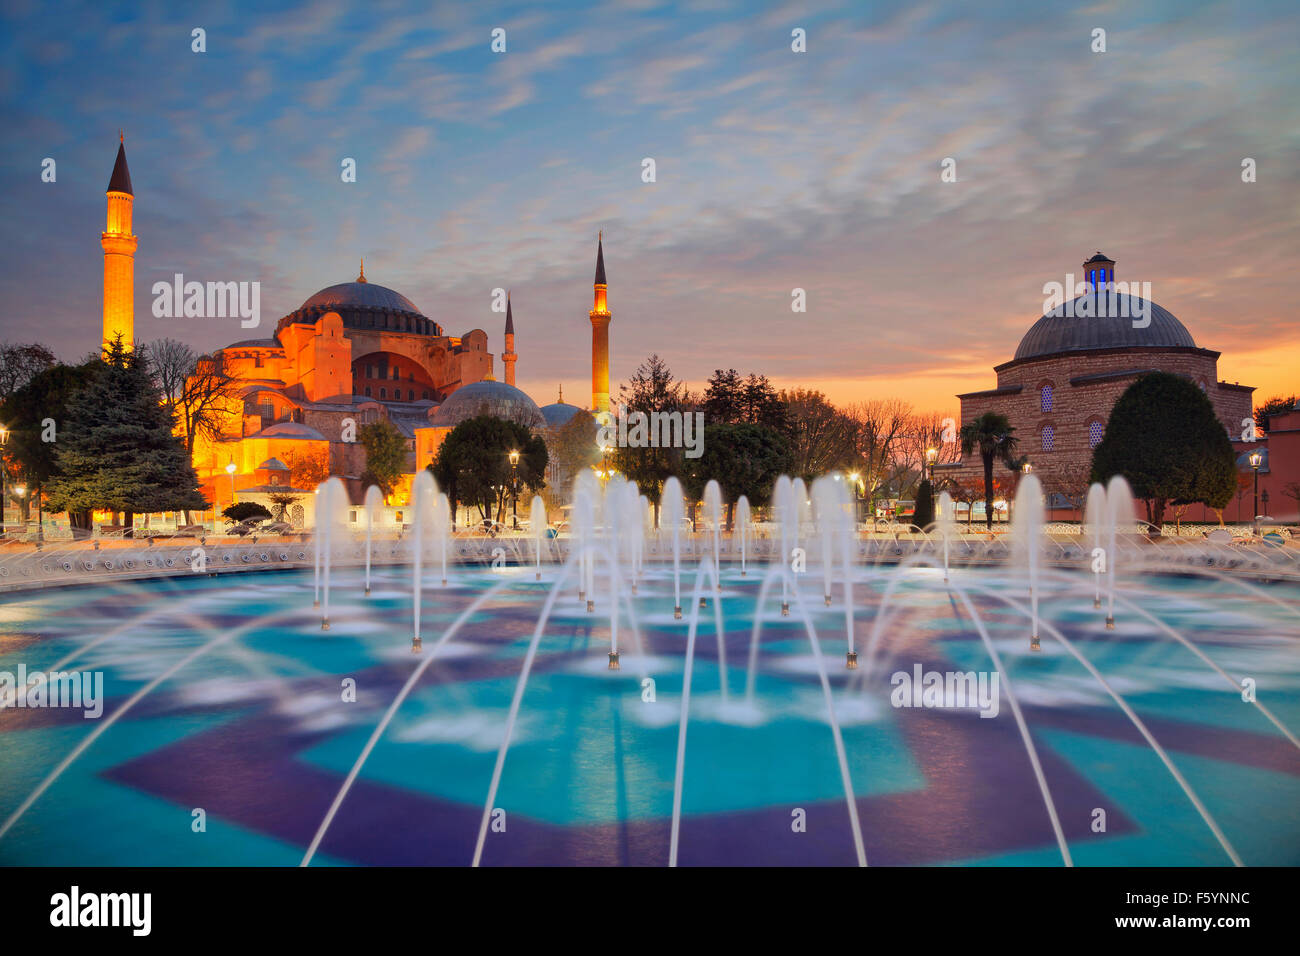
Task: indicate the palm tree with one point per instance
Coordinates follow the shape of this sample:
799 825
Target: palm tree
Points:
991 433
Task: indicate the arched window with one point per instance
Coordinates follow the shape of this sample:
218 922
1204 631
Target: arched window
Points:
1095 431
425 394
367 391
383 393
1049 437
1045 398
410 394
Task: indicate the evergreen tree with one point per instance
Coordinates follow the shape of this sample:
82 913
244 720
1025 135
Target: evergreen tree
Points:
923 514
651 389
761 404
117 450
723 398
1165 439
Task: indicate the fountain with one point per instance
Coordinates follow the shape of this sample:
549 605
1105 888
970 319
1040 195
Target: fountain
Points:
590 749
1119 513
536 522
713 511
946 519
741 529
1027 538
374 501
786 515
424 491
331 498
671 514
1094 522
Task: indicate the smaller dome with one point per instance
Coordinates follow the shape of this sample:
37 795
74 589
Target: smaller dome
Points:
273 464
559 413
293 430
487 398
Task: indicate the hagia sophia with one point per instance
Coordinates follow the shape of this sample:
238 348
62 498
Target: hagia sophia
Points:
354 352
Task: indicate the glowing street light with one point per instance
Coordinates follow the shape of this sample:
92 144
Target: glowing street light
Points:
1256 459
514 489
604 472
230 470
930 455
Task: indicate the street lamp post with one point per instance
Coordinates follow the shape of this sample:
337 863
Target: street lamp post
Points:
930 455
230 470
20 492
514 489
1256 459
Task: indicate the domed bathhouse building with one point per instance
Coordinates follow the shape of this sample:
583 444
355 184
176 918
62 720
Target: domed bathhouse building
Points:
1068 371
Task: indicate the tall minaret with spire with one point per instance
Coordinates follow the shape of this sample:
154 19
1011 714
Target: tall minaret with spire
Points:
600 318
119 254
508 357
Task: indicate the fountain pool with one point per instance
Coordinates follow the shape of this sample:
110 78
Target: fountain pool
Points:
237 705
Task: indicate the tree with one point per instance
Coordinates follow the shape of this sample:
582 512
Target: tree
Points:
574 449
36 415
307 468
118 451
879 432
743 459
473 463
283 501
385 455
1292 490
1244 485
819 434
197 390
923 514
651 389
761 404
1070 481
244 510
990 434
19 364
1277 405
1165 439
723 397
968 493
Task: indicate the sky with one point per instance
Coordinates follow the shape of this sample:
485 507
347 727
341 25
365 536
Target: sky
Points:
774 170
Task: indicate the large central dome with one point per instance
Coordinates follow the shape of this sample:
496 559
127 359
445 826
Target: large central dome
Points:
365 305
1064 330
360 295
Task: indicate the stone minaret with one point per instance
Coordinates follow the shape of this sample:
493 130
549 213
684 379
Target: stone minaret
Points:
508 357
119 254
600 318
